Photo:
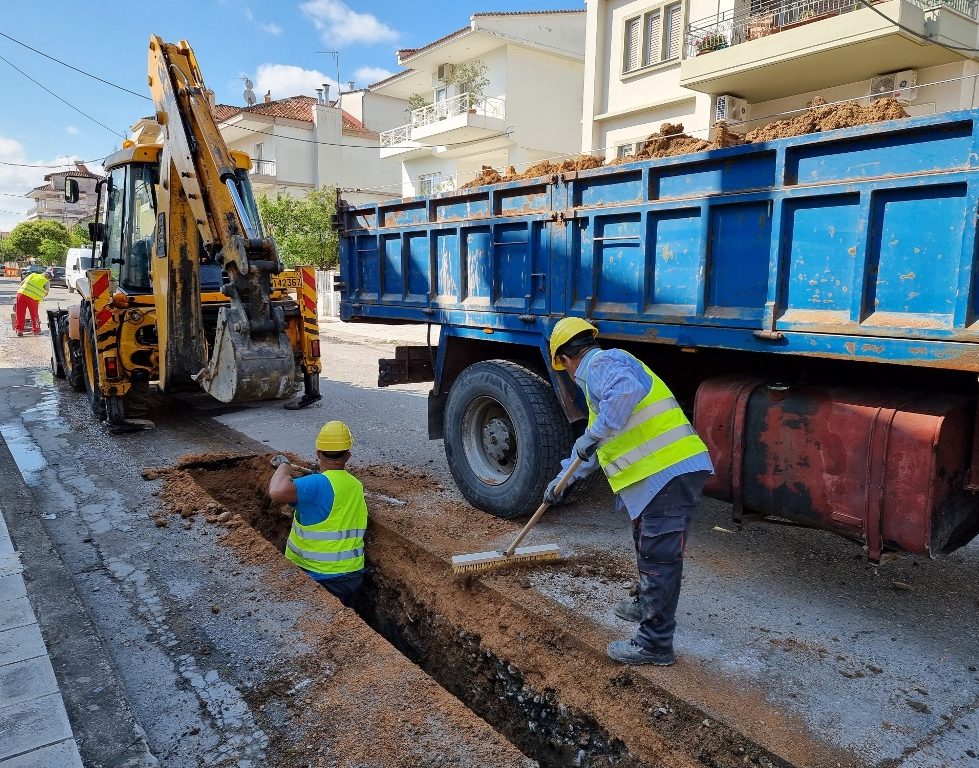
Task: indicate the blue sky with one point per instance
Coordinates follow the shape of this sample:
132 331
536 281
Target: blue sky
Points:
278 45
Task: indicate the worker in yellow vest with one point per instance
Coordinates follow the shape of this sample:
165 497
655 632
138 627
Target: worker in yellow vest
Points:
32 290
655 463
330 519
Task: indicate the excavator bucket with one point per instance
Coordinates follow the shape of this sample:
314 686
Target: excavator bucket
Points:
244 367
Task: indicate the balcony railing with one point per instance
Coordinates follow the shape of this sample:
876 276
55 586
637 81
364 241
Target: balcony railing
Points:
487 106
263 167
769 17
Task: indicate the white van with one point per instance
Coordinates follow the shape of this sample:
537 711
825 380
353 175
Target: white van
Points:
76 262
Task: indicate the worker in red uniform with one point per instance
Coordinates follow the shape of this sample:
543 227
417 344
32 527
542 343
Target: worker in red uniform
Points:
29 296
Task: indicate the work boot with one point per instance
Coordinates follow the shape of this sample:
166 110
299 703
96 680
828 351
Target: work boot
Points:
630 652
628 609
20 333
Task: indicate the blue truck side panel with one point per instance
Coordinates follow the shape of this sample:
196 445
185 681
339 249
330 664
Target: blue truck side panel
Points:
857 244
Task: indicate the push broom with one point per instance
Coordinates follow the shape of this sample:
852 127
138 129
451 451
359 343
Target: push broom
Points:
483 561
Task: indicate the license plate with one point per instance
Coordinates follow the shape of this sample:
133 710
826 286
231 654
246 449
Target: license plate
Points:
286 281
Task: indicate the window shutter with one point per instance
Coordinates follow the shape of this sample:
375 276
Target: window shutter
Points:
630 59
654 39
674 31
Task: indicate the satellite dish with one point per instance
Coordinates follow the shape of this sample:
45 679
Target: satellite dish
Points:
249 97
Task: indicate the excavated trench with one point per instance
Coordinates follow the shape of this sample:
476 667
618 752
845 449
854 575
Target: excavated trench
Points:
523 667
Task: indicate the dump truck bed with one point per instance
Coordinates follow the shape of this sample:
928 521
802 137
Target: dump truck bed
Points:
857 244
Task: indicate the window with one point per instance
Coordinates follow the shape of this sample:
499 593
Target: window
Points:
624 150
258 151
441 94
653 37
428 183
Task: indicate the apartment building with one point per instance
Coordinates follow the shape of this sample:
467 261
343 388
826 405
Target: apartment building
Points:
308 142
504 90
49 198
749 62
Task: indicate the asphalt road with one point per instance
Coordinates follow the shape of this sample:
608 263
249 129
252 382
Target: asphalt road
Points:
879 661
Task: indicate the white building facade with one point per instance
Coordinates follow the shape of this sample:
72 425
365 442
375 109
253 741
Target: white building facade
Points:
303 142
49 198
523 105
650 62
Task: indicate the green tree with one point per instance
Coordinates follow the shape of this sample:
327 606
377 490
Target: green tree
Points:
46 241
302 227
79 235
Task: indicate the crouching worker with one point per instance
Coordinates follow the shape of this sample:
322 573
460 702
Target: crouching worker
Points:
327 536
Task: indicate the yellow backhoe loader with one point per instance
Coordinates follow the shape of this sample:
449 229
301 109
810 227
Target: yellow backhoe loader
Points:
186 289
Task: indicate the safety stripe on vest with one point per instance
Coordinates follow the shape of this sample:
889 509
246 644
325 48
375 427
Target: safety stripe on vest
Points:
649 412
325 557
624 461
355 533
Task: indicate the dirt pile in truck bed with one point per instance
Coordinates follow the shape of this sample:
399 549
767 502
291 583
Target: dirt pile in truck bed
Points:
821 116
530 667
671 141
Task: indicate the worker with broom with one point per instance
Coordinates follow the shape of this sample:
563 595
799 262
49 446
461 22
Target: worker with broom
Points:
327 536
655 463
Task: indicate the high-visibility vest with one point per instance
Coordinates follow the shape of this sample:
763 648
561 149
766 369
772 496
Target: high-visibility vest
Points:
656 436
335 546
35 286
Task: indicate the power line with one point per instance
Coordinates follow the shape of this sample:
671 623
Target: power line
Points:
76 69
961 50
63 101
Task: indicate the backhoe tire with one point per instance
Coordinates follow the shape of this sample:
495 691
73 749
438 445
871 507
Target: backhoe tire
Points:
505 436
71 356
90 365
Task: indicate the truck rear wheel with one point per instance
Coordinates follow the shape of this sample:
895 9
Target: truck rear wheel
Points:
505 436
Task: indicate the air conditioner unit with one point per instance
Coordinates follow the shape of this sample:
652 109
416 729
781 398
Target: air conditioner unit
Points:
730 109
444 72
898 85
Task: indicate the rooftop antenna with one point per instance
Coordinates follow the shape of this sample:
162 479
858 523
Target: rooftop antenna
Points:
336 61
249 94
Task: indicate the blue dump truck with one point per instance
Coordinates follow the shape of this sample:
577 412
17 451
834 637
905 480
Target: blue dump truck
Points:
813 302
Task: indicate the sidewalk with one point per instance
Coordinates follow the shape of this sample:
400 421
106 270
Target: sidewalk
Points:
34 727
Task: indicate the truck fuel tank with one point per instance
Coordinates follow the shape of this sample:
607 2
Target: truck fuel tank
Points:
887 468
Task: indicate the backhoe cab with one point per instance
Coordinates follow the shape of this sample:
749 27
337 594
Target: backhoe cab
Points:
186 289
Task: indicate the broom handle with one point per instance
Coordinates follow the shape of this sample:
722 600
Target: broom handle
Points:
565 479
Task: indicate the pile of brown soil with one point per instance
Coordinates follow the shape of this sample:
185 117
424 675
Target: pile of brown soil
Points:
671 141
822 117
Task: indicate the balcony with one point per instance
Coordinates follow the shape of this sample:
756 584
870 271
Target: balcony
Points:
772 48
457 120
263 168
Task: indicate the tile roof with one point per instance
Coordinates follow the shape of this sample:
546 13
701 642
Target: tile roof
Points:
292 107
528 13
80 172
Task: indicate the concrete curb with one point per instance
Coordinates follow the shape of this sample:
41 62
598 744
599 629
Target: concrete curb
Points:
76 660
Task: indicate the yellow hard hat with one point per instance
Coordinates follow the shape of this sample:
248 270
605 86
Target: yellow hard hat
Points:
564 330
334 437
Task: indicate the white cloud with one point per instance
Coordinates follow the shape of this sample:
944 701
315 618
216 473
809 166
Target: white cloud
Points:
17 180
369 75
269 27
339 24
286 80
72 130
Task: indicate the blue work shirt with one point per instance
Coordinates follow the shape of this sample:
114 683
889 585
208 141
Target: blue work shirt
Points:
314 503
616 382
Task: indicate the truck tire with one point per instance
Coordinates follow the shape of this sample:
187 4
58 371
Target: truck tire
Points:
90 365
505 436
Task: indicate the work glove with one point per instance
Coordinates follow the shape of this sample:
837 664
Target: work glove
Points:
551 496
279 460
586 445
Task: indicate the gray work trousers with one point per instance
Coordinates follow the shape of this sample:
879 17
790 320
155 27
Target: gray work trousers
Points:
660 536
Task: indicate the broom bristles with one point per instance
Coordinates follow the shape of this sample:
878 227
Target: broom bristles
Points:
482 561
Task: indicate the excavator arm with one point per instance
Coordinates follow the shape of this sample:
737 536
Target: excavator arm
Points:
205 199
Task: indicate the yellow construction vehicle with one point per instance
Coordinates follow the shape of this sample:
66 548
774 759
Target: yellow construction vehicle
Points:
186 289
